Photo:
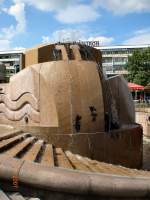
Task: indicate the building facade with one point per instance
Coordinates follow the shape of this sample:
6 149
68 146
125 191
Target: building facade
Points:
116 57
13 61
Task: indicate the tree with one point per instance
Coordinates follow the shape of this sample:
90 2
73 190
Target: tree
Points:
138 66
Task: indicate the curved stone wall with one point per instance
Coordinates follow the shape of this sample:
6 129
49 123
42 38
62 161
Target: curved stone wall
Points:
122 100
65 95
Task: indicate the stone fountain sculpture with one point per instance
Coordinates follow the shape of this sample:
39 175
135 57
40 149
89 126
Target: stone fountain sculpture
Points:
62 95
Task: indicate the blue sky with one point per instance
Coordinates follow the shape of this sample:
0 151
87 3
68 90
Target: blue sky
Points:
25 23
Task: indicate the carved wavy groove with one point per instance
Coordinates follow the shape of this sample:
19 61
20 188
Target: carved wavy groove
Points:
20 114
21 101
23 94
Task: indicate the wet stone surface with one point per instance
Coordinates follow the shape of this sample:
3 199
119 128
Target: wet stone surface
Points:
6 129
146 153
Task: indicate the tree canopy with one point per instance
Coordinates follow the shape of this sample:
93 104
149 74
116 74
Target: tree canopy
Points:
138 67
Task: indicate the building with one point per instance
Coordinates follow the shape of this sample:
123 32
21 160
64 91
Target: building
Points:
116 57
13 60
113 62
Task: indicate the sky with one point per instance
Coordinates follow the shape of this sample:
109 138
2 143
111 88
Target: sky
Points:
26 23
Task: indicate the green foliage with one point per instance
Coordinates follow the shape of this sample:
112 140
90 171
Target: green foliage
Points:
138 67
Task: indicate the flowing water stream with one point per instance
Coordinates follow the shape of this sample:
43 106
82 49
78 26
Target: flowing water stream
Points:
146 153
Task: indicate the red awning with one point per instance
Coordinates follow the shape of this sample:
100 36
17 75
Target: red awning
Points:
133 86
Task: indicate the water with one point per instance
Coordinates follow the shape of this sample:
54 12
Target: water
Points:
146 153
5 129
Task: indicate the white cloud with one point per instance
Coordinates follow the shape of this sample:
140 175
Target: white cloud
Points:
66 11
139 37
65 35
5 37
18 11
124 7
4 44
47 5
103 40
70 35
8 33
1 1
77 14
19 48
1 7
45 39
